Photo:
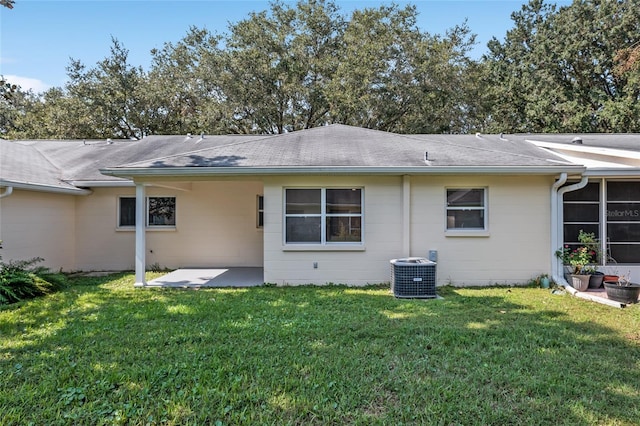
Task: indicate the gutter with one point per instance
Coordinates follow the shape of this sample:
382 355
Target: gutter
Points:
44 188
328 170
102 183
556 226
557 195
7 191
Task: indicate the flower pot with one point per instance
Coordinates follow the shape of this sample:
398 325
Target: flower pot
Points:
596 280
544 282
580 282
611 278
622 293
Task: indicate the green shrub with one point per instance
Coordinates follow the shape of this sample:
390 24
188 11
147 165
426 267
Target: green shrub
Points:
20 280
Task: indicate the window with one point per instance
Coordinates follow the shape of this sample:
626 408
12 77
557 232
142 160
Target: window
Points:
127 212
623 221
260 211
466 209
161 211
581 211
323 216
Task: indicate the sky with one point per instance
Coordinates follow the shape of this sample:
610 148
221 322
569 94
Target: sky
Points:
38 38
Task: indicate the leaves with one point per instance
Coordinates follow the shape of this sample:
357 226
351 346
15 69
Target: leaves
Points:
568 69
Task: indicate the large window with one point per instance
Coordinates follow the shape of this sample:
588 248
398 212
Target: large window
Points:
581 211
617 225
323 215
466 209
161 211
623 221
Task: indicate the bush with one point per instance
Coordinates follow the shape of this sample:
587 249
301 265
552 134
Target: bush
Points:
20 280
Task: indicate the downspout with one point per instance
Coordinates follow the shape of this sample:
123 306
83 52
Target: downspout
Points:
557 226
7 191
554 227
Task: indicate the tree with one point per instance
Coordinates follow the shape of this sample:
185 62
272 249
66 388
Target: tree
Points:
182 90
556 70
110 95
277 66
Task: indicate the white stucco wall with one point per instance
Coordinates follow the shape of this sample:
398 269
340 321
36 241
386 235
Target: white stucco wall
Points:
215 226
514 250
38 224
382 235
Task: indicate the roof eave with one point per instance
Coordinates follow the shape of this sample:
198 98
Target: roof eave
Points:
132 172
30 186
102 183
613 172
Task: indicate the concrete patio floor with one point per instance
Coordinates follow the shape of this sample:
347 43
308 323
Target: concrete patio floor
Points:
194 278
598 295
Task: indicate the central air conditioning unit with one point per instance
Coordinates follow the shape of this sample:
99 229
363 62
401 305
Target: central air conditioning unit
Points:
413 278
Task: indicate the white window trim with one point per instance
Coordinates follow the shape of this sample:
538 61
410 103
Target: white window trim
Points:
323 245
175 212
118 211
258 211
468 232
132 228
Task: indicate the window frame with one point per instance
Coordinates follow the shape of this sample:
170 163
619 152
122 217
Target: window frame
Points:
260 211
146 215
610 222
484 230
323 216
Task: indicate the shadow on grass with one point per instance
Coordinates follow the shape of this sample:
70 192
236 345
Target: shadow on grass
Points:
315 355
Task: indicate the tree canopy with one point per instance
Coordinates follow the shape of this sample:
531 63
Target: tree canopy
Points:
559 69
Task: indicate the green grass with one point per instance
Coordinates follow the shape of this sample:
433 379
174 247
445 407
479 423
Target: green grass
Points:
102 352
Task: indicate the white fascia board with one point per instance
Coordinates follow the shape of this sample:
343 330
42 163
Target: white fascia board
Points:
304 170
609 152
29 186
102 183
612 173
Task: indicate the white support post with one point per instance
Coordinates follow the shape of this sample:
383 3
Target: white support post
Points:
140 236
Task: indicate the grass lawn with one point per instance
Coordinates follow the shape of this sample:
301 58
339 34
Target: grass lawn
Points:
102 352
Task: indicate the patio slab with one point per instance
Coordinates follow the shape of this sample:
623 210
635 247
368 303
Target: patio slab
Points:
212 277
598 295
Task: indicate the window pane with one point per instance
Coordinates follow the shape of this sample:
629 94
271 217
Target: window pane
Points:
625 212
465 197
303 229
303 201
571 232
162 211
591 192
625 253
623 191
341 229
127 211
465 219
626 232
343 201
581 212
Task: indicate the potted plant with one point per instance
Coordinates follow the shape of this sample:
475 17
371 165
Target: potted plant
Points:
622 290
578 259
595 277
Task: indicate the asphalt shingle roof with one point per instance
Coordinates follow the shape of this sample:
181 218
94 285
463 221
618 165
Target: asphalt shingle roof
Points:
68 163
